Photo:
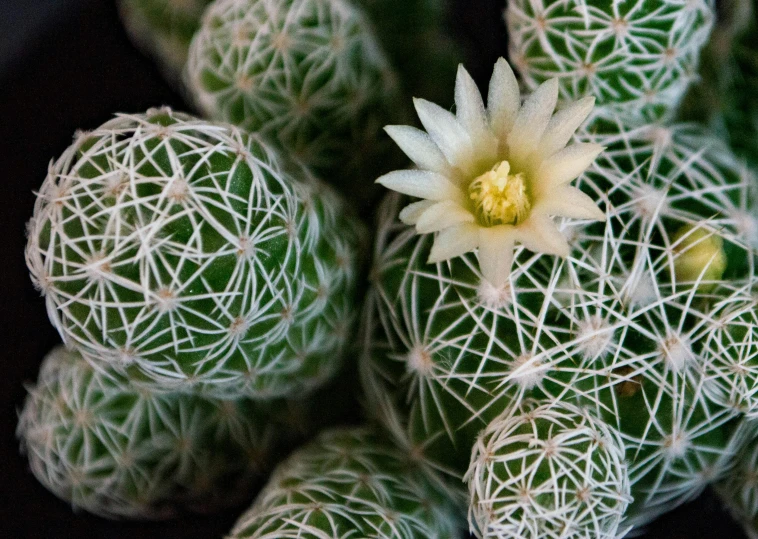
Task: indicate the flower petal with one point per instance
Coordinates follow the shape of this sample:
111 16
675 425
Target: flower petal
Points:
473 116
442 215
454 241
531 122
539 234
411 213
563 125
421 184
446 132
564 166
568 201
503 100
419 147
496 246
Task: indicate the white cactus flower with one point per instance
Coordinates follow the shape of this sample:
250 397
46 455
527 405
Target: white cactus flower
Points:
493 177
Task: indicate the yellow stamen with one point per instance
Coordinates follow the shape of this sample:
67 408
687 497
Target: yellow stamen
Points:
500 197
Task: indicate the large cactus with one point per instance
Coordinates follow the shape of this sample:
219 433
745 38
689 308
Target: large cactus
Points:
619 325
191 255
350 483
636 57
308 74
118 451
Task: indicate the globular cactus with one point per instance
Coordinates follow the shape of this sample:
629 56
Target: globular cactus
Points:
620 325
547 471
350 483
192 256
637 57
164 29
118 451
308 74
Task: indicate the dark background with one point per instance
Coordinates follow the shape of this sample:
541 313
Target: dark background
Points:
67 65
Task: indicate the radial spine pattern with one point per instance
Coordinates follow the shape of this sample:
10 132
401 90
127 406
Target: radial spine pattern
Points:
192 256
117 451
307 73
547 471
613 327
637 57
164 29
350 483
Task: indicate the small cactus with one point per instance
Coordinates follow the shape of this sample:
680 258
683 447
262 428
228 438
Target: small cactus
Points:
164 29
637 57
350 483
192 256
118 451
547 471
308 74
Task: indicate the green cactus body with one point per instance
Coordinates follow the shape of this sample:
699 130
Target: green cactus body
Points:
308 74
610 327
636 57
118 451
192 256
350 483
547 471
164 29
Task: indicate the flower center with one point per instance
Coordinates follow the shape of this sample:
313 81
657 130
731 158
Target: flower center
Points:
500 197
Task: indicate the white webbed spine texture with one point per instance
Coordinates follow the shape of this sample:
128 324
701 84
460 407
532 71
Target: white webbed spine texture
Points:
307 74
547 471
636 57
612 327
118 451
191 255
351 483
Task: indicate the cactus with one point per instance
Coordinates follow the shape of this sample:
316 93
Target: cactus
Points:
637 57
617 326
547 471
350 483
118 451
163 29
307 74
190 255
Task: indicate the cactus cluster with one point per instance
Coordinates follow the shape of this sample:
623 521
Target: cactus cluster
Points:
559 336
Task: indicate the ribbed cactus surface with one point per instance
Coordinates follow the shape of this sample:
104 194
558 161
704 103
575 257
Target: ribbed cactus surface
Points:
349 483
616 326
192 255
308 74
164 29
637 57
739 489
544 471
118 451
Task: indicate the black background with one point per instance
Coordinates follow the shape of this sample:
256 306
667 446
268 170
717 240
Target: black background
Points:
67 65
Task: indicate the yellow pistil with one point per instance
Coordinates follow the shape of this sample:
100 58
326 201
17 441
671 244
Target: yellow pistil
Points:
699 255
500 197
